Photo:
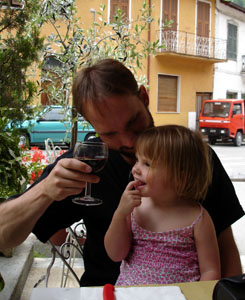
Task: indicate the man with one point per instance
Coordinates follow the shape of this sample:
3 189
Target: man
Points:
107 95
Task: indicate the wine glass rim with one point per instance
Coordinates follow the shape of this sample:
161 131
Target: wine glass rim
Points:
93 143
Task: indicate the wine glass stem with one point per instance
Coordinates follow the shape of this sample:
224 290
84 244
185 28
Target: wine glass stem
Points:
88 189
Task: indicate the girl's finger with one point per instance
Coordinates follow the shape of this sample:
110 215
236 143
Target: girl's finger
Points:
130 186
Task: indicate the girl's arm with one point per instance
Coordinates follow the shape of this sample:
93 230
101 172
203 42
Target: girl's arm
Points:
118 237
207 248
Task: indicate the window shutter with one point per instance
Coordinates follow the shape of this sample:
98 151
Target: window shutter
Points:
122 4
170 13
125 7
203 21
232 42
167 93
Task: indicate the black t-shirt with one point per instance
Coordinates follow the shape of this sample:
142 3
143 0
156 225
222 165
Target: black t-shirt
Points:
221 202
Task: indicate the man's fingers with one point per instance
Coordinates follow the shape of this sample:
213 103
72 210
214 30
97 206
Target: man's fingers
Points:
73 169
75 164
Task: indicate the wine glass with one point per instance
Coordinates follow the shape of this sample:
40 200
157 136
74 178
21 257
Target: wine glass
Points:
94 154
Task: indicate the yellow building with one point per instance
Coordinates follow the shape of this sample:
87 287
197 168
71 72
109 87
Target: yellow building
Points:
181 75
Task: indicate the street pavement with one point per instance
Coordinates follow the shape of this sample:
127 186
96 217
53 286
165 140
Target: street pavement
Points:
233 159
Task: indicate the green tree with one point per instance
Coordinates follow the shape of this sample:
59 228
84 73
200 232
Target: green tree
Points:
12 171
20 43
121 39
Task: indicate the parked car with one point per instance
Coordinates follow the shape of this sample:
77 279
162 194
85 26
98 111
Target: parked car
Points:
53 123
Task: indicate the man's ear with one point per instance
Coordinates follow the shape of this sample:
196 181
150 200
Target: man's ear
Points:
144 97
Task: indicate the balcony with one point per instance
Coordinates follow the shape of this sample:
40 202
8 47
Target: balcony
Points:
185 43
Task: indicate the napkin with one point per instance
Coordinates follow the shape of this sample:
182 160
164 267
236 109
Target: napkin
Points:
121 293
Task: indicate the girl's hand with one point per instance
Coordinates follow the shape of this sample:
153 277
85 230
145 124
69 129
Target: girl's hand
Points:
129 200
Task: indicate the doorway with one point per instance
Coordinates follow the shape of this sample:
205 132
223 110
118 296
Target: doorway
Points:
200 97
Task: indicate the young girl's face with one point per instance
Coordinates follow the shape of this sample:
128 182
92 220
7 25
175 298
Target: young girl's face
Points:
151 182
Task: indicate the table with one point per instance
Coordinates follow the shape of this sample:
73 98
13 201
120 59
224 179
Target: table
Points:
201 290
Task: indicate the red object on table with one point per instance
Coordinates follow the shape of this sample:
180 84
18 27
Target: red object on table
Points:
108 292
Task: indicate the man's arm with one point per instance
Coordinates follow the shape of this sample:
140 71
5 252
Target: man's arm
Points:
229 254
18 216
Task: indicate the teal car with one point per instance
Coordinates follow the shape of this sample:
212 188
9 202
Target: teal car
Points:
53 123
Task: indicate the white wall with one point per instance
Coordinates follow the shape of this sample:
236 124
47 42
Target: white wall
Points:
227 75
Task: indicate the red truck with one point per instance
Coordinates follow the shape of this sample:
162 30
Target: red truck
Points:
223 120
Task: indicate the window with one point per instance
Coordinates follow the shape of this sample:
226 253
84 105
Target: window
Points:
169 12
169 33
59 114
232 42
55 114
50 79
231 95
237 110
167 93
216 109
122 4
243 96
203 29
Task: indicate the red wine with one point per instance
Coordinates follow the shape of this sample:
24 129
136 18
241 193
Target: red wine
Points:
97 164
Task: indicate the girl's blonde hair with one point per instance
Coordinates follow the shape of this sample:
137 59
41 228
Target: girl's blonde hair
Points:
183 155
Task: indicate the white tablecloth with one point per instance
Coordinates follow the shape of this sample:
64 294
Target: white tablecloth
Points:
96 293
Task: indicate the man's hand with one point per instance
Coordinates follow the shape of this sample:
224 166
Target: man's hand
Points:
68 177
18 216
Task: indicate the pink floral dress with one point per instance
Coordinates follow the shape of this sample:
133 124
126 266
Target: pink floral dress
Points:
160 257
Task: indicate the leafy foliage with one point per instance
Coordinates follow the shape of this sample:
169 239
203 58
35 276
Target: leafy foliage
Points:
20 44
122 40
12 171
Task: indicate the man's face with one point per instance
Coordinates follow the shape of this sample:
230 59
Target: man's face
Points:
118 120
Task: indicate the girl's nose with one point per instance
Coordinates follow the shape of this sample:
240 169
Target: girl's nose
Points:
135 169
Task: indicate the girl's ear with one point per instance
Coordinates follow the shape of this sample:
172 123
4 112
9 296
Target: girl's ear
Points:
144 95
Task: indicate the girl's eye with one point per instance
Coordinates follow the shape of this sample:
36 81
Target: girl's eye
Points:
147 164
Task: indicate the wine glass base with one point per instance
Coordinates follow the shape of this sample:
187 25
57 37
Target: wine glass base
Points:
87 201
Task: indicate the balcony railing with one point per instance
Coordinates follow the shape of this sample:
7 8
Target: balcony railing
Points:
190 44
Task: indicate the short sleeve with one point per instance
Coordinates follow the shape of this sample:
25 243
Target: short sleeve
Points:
221 201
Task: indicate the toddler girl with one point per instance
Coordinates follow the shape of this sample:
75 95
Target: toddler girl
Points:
160 231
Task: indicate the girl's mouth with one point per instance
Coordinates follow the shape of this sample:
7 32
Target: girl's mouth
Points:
139 184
